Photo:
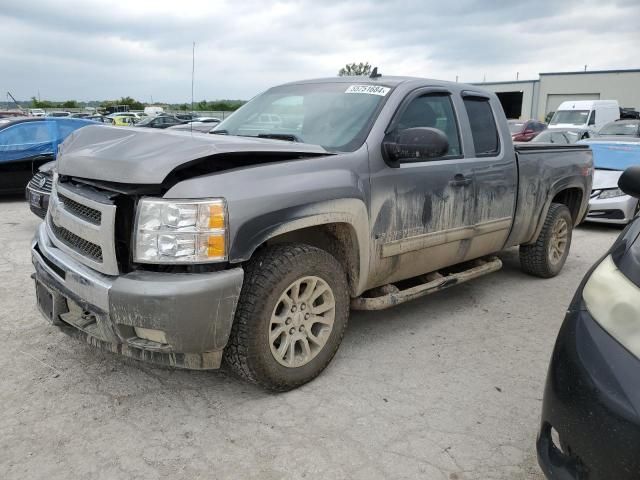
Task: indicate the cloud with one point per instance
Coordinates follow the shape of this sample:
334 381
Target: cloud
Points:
84 49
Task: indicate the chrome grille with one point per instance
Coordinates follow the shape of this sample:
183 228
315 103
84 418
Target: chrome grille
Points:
40 182
81 222
86 213
72 240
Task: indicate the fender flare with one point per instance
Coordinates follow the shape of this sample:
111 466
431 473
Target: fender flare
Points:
350 211
560 185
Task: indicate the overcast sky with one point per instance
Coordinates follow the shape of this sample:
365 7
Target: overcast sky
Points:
86 50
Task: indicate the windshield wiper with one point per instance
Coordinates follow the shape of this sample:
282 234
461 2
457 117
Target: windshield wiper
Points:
220 132
279 136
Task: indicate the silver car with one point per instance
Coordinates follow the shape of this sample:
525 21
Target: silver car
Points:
609 204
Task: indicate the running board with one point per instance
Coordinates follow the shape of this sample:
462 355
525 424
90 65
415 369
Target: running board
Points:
434 282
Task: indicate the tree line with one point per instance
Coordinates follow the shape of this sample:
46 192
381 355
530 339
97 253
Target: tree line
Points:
133 104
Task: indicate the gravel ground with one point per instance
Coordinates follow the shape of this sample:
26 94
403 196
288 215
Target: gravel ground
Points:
446 387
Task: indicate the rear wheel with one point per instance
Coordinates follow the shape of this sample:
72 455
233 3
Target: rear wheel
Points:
291 317
546 257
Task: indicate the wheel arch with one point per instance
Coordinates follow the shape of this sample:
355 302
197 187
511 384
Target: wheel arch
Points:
339 227
570 193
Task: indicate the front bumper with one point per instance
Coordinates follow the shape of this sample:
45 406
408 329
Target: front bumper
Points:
592 399
194 311
617 210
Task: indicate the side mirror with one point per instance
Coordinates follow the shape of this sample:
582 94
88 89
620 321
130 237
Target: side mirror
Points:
629 181
418 143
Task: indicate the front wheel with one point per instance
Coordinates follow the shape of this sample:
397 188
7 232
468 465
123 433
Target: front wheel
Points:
546 257
291 317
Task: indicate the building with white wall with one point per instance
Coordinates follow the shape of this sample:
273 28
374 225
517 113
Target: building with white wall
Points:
526 99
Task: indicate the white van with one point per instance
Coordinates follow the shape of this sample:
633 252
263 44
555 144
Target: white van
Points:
153 111
587 114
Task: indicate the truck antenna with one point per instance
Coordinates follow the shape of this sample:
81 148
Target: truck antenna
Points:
374 73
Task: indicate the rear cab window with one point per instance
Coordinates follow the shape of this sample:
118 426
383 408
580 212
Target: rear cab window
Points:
484 131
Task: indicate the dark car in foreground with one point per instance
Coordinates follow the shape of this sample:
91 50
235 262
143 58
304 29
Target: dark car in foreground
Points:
525 131
590 427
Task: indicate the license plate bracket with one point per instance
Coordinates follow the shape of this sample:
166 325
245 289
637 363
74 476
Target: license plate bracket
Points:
35 199
50 303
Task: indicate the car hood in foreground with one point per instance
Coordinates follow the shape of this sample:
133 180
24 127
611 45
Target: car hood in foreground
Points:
147 156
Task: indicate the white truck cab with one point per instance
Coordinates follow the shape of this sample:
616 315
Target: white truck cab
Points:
588 114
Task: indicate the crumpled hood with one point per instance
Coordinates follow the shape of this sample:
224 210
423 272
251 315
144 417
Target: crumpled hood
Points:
605 179
139 155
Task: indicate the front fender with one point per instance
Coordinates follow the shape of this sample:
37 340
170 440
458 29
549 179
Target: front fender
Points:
268 200
350 211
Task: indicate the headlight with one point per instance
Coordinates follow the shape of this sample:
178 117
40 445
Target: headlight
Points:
180 231
611 193
614 302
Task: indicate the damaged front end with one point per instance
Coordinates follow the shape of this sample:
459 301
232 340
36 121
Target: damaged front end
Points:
179 320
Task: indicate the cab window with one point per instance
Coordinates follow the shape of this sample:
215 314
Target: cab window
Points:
483 126
433 111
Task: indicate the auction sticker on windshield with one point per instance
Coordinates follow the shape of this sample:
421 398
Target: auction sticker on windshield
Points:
368 89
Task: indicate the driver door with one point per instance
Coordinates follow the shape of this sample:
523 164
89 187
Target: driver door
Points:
422 210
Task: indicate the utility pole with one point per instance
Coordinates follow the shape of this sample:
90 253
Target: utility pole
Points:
193 70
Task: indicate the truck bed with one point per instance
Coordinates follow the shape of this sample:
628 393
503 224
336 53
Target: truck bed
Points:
545 169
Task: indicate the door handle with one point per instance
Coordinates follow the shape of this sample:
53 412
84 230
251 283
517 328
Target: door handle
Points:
460 181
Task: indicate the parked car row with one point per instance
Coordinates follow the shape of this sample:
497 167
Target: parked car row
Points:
534 131
29 144
27 147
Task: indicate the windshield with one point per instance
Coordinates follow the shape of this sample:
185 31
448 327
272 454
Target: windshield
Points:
620 128
336 116
515 127
571 117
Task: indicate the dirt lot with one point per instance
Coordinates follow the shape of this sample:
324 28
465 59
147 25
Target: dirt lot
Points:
447 387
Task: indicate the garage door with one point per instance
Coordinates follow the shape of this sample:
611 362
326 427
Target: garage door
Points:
554 100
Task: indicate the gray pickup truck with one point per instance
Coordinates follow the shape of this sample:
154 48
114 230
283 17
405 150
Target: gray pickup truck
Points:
250 245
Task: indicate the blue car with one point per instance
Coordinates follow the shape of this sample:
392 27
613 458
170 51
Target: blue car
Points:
608 203
28 143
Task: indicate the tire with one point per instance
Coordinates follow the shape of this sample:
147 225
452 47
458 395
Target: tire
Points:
264 312
546 257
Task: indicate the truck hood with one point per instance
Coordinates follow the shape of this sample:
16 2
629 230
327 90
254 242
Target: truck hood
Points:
605 179
147 156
